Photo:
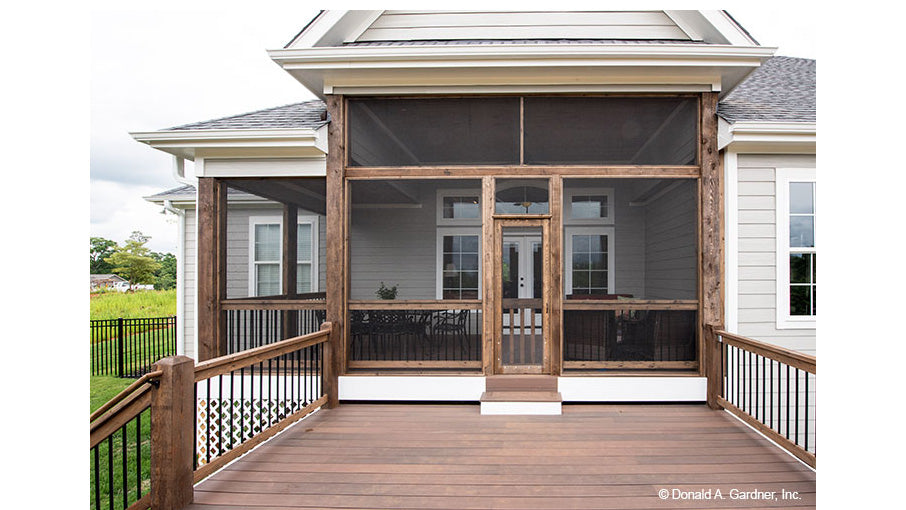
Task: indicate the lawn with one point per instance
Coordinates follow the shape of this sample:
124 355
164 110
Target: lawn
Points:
133 305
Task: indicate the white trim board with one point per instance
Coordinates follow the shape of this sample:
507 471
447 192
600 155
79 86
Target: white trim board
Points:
573 389
441 388
633 389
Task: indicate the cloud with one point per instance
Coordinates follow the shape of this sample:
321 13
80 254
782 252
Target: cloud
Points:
118 209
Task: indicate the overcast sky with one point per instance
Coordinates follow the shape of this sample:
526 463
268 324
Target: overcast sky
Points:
153 68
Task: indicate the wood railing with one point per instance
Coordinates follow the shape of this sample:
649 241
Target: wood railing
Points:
253 322
415 334
769 387
201 418
630 334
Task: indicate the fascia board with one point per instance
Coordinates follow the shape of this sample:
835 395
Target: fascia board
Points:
185 143
769 137
541 54
334 27
728 28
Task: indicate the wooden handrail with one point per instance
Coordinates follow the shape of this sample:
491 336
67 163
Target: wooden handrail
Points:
229 363
630 304
125 393
792 358
415 304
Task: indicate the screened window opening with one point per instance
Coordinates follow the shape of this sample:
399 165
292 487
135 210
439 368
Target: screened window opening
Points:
267 257
610 130
429 131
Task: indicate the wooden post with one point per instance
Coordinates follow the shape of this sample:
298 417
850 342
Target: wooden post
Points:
555 273
172 434
212 219
711 249
335 245
488 302
290 259
713 362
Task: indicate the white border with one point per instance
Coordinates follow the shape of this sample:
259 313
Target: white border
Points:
271 220
782 179
568 194
457 192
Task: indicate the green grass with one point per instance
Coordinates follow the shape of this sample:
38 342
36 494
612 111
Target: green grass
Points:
133 305
111 451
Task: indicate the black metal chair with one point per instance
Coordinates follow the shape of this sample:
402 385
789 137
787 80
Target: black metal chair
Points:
453 324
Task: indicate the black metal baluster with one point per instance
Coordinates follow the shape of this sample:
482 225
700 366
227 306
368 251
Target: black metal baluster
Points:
241 405
138 456
97 476
806 411
797 405
195 426
208 420
787 401
110 470
125 467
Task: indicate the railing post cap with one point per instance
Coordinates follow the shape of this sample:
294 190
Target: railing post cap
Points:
171 361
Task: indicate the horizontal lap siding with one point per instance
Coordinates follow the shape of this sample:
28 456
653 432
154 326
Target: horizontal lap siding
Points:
670 247
756 227
395 246
426 25
191 282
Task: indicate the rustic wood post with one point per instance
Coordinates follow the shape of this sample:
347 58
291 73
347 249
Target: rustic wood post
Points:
488 303
212 219
337 209
172 434
715 372
290 259
711 250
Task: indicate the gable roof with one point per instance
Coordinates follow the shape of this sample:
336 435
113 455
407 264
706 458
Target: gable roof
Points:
783 89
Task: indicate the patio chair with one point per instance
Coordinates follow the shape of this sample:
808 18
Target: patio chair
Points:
453 324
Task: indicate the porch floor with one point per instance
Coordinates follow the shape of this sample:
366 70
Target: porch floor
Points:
422 456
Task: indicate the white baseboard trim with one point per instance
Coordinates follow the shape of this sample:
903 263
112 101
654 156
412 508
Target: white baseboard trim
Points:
416 387
633 389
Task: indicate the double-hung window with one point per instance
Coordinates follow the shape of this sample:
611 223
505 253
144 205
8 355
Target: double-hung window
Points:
265 255
796 248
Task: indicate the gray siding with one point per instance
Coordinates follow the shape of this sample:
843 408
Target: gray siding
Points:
757 296
671 266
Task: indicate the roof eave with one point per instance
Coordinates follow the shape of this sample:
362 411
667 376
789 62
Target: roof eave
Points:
187 143
768 137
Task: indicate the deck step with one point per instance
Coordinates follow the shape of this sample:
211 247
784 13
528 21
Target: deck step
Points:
513 394
521 383
521 396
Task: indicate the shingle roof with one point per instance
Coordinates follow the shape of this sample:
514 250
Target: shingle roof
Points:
781 90
309 114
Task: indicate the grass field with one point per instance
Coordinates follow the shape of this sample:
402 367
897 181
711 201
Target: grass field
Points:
133 305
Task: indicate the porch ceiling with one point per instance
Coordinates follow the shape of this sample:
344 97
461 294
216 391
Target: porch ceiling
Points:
449 456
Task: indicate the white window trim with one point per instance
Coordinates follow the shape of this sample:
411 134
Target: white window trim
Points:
611 256
458 192
271 220
439 263
783 178
568 206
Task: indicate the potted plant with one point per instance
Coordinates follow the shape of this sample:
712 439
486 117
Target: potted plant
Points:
385 292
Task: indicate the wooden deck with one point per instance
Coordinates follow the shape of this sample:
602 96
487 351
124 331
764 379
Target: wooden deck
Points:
422 456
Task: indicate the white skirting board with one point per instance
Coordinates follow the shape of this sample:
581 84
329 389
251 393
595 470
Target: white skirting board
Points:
416 387
633 389
573 389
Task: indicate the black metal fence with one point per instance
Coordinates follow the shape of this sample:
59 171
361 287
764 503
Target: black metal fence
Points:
128 347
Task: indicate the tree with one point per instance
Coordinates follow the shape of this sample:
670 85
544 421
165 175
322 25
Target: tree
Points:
165 278
101 249
133 260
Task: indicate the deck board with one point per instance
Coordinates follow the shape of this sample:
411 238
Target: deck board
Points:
421 456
